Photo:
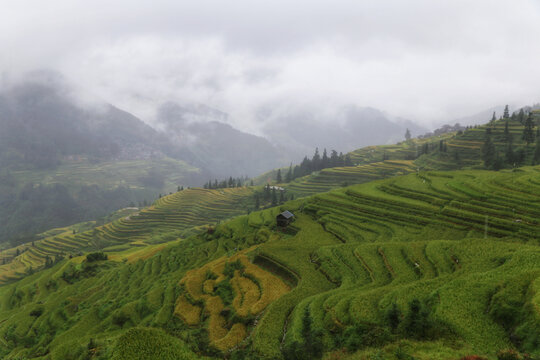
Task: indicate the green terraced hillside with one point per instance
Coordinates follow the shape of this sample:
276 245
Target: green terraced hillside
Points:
449 151
169 218
430 265
331 178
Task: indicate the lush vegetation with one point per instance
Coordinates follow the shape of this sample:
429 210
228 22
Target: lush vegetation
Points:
34 200
413 262
177 215
430 265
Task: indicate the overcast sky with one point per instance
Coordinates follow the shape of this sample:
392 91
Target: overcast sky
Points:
428 60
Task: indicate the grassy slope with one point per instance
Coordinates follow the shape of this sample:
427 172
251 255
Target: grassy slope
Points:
371 167
353 251
171 217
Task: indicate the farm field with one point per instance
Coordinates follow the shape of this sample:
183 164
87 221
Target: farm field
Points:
171 217
429 265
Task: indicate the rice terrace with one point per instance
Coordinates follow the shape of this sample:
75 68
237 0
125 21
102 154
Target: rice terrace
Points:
306 180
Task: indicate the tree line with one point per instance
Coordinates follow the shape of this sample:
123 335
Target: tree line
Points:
228 183
512 156
316 163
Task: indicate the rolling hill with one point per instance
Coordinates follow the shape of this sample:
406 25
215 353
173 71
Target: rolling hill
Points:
435 265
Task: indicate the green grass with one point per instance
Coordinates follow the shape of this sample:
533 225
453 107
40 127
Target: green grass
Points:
174 216
464 243
350 255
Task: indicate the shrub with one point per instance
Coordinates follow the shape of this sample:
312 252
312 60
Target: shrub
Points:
225 291
393 317
96 256
230 268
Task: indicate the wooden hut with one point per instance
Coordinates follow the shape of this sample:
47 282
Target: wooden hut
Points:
284 218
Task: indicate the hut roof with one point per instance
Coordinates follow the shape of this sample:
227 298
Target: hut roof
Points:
287 214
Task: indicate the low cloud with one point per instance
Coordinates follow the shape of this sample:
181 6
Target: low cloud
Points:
427 61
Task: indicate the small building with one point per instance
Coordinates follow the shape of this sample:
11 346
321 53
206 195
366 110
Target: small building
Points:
284 218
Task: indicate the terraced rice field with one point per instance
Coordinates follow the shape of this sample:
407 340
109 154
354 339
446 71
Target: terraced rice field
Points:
406 150
465 245
229 299
434 235
171 217
333 178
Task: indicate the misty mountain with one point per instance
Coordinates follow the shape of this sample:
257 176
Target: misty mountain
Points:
216 145
40 125
481 117
349 128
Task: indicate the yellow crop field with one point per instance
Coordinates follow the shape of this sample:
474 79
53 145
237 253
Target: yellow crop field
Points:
228 285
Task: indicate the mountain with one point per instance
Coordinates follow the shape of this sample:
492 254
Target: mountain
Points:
345 129
42 126
64 161
216 145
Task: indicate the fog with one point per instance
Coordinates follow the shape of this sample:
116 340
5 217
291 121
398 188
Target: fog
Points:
428 61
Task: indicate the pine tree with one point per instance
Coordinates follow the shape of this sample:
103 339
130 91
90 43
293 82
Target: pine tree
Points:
407 135
279 180
493 118
281 197
324 160
289 175
506 113
257 202
274 197
334 158
521 116
528 132
316 160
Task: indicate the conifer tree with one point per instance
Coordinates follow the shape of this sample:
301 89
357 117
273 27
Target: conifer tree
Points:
316 160
506 113
334 158
324 160
257 202
289 175
279 180
521 116
493 118
274 197
528 131
281 197
407 135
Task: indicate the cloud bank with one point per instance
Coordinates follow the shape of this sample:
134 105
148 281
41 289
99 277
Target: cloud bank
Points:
429 61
